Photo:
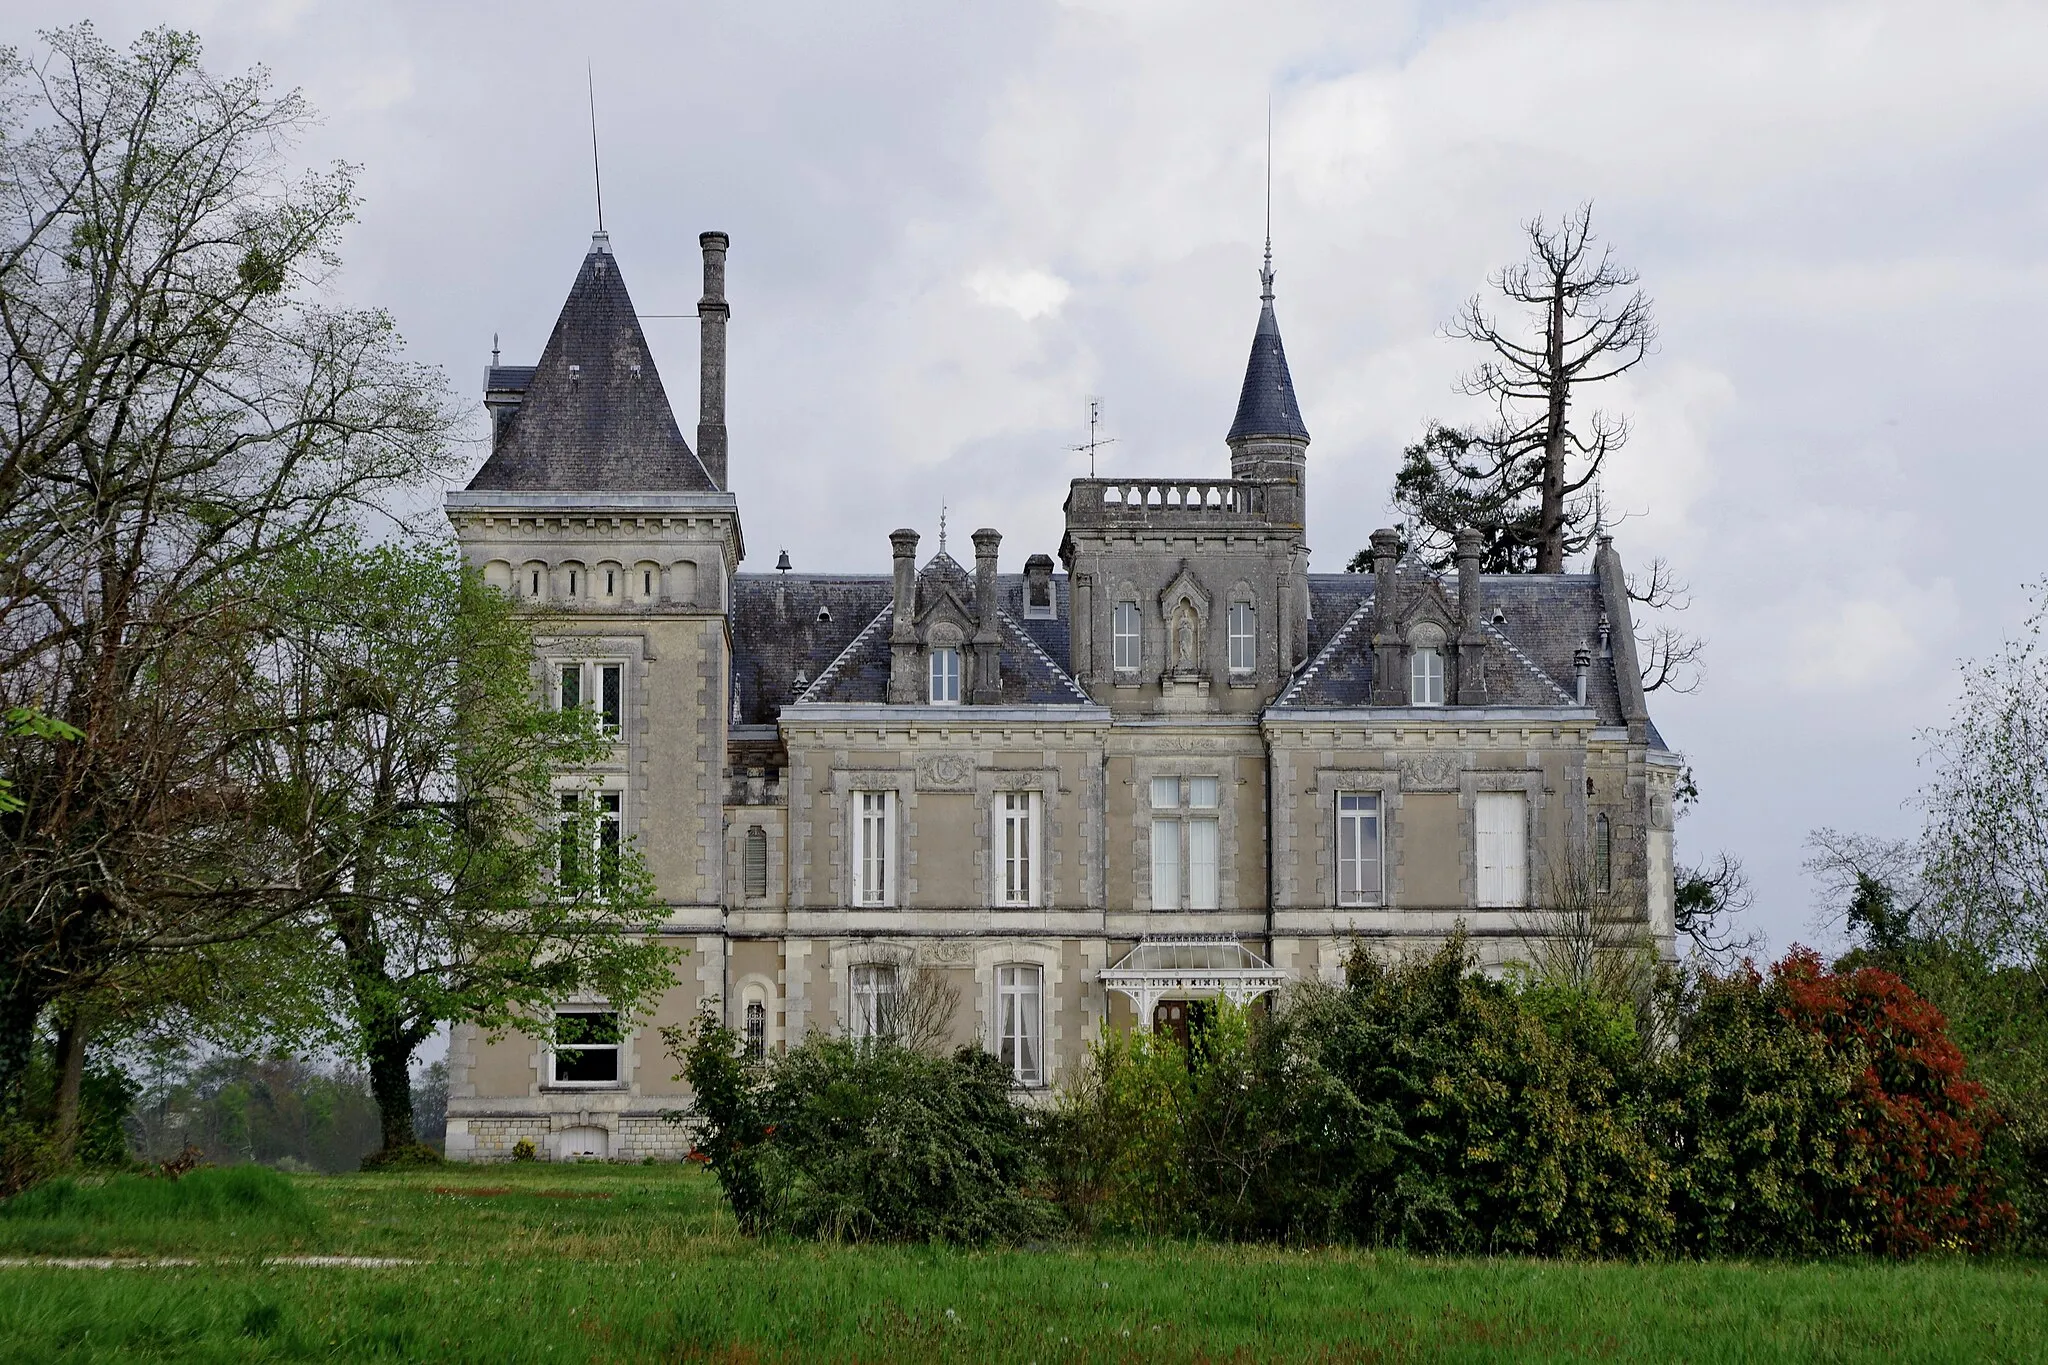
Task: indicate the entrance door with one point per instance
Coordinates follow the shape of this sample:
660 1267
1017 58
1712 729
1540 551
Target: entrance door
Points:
1186 1020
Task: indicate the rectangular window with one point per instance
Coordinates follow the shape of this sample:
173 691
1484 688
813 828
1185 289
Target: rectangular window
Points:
1358 848
945 676
610 806
1502 838
1165 793
1202 793
586 1047
1020 1018
610 683
569 861
874 1001
1016 823
874 865
1166 864
1426 678
1244 637
1202 865
1126 639
570 695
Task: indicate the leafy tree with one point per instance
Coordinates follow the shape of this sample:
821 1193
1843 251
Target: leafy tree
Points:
176 409
418 775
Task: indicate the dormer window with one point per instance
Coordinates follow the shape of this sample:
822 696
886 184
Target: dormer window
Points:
945 677
1426 677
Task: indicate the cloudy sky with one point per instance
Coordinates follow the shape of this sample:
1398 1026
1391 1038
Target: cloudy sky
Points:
951 223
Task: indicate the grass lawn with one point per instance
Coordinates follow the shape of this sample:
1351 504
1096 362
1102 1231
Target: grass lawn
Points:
603 1263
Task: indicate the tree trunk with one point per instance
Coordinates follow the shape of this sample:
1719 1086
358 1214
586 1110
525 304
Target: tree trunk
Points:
391 1085
1550 551
71 1039
20 1006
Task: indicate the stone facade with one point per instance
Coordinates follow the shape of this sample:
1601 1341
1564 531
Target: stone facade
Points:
1178 756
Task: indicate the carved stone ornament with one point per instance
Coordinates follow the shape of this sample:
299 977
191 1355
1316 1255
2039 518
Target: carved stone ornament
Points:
1429 773
944 952
945 773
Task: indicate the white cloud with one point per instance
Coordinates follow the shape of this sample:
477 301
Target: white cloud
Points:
1030 294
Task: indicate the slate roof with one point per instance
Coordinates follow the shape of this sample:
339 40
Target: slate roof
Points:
1544 620
1266 406
594 417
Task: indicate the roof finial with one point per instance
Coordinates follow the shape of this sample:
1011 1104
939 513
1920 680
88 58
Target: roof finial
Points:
1266 273
596 179
494 348
942 526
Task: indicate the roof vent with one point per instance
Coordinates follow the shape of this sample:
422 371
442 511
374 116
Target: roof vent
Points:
575 374
635 368
824 613
801 681
1500 618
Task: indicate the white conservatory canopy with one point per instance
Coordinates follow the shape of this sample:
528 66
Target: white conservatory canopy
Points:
1192 967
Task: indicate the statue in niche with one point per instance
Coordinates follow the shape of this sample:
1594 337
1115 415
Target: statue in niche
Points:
1184 639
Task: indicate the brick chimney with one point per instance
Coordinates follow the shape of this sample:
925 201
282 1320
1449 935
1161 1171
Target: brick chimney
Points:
1471 620
1387 682
712 313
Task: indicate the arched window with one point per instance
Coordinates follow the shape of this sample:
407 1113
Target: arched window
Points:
754 863
757 1029
1426 677
1603 854
1126 637
1244 637
945 677
1020 1025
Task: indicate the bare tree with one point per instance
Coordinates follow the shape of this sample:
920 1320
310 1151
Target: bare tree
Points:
1590 934
1528 481
175 409
925 1010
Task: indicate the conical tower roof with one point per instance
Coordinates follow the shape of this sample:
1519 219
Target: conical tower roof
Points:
594 418
1266 406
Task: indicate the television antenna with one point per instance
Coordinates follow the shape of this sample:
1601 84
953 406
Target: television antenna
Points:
1094 440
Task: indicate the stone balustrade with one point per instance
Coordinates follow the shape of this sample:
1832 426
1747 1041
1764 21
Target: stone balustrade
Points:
1165 502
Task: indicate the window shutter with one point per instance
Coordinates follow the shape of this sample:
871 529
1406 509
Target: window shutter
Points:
1502 845
754 864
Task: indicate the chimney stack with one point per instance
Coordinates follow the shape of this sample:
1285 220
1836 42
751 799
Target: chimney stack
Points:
904 674
1471 620
1388 684
988 681
712 313
1582 659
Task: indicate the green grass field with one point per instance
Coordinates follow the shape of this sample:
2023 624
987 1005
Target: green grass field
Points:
600 1263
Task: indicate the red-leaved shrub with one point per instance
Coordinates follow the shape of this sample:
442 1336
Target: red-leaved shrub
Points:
1920 1125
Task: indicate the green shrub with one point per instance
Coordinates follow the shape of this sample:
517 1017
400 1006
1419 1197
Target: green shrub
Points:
863 1141
405 1157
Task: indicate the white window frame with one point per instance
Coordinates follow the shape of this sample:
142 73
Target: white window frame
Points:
1020 1021
1014 848
592 676
617 1049
1127 637
874 999
1361 832
607 832
1187 842
942 676
756 1041
871 879
1426 676
1244 637
1500 835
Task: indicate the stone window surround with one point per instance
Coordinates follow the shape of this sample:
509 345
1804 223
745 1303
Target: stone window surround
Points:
762 987
840 960
1126 594
845 782
988 782
1241 594
1384 783
1529 782
1043 954
1222 767
620 769
629 1060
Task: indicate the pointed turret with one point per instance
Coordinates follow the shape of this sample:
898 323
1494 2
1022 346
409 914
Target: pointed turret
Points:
592 416
1268 440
